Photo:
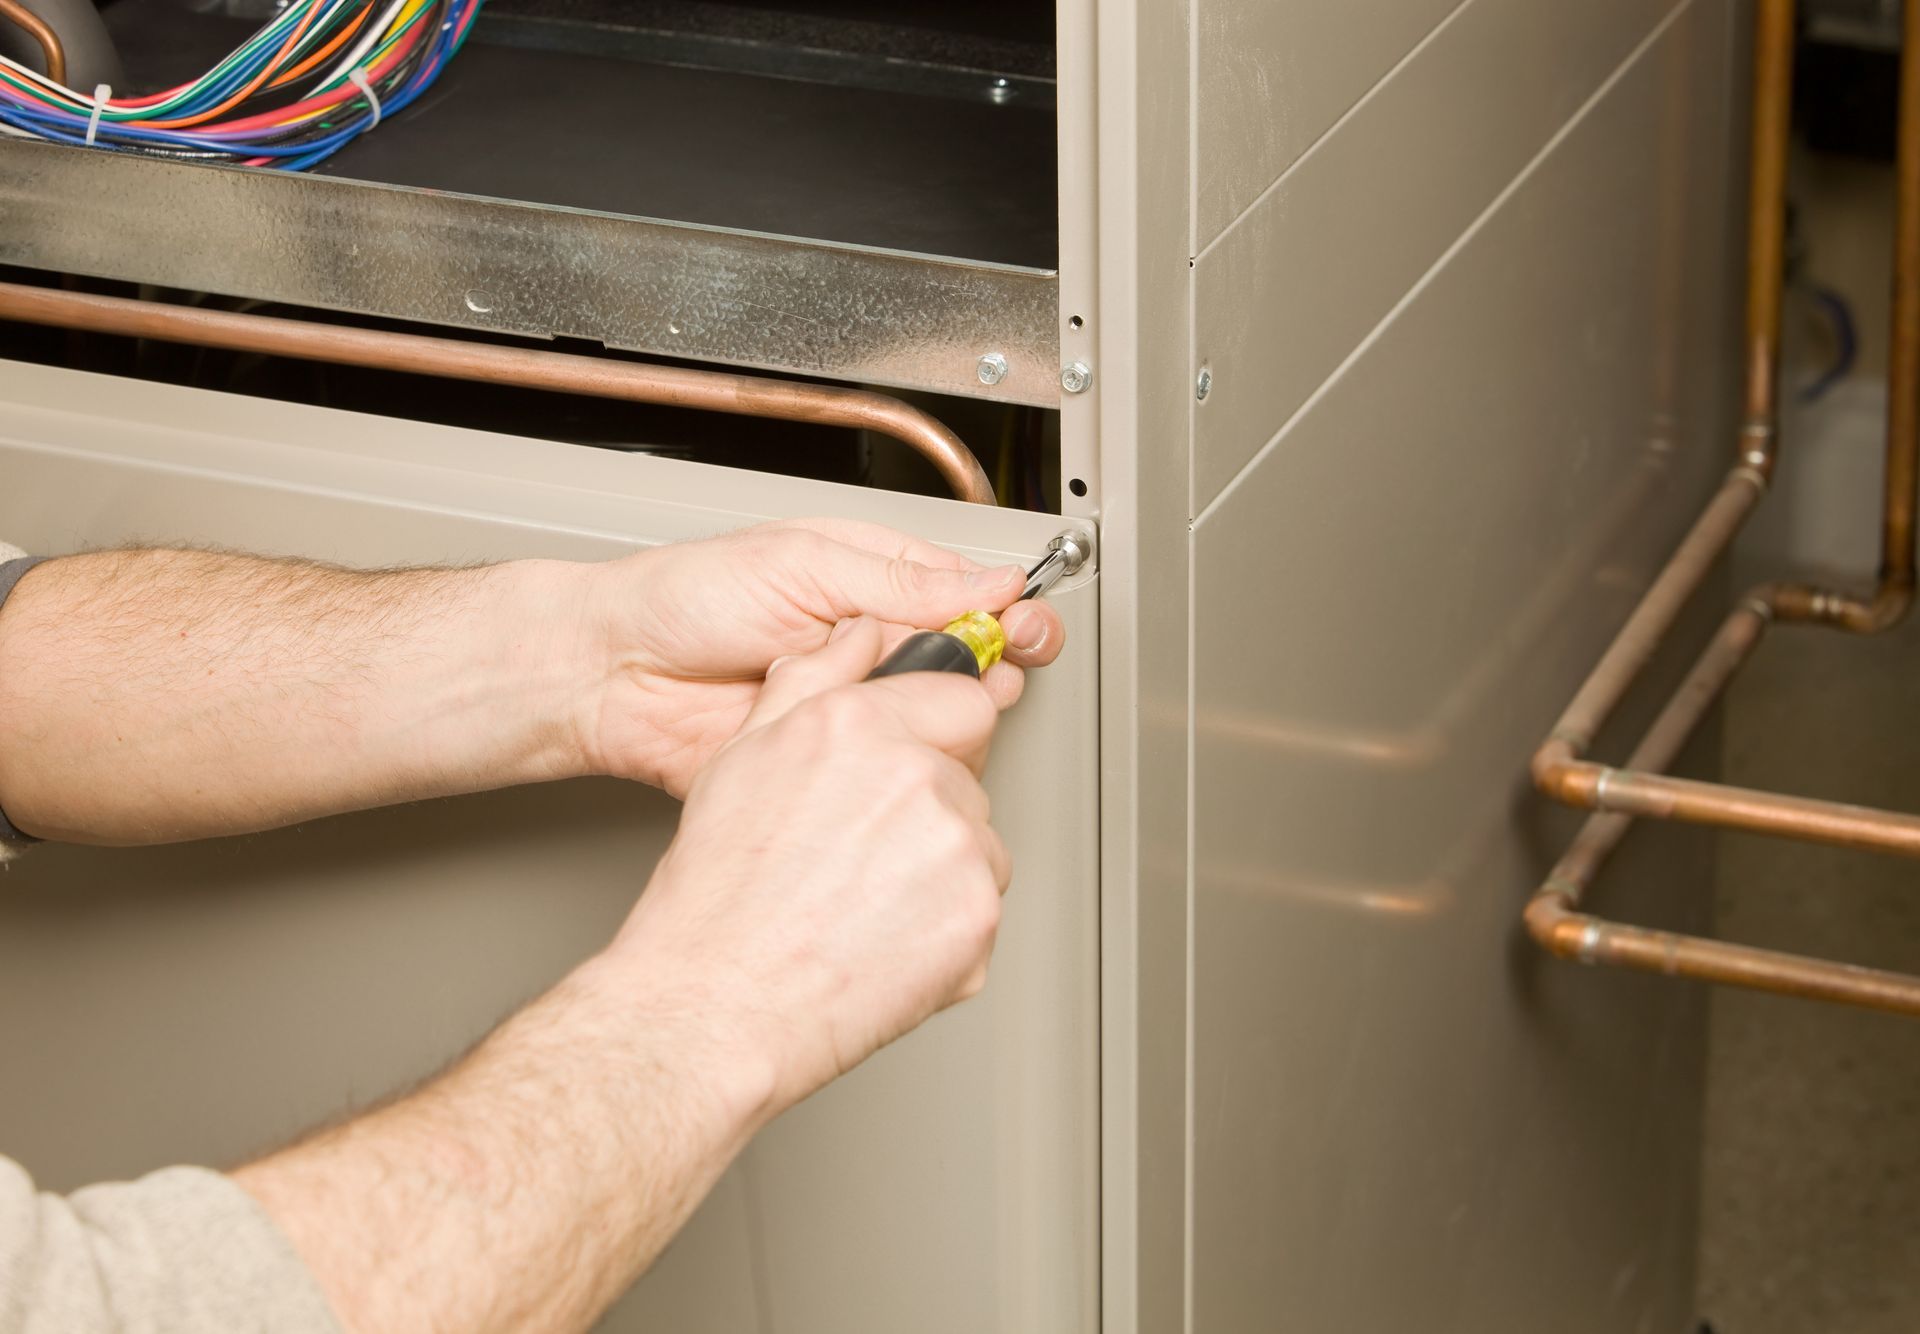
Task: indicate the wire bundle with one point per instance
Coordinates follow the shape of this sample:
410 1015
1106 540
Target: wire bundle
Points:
320 74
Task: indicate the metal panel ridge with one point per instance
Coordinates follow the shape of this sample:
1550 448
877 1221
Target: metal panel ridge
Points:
741 298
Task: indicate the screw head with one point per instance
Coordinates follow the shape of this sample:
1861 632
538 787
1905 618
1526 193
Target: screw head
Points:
1204 385
479 302
992 368
1000 92
1075 377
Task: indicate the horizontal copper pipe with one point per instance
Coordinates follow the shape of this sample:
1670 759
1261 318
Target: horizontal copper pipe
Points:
1573 935
1661 797
37 28
528 368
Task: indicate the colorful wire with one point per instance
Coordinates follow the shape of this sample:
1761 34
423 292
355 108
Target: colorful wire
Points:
264 104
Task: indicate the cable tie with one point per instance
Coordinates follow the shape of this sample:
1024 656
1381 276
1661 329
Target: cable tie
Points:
101 93
358 77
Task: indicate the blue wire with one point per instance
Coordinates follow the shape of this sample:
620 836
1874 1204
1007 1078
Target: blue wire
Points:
1847 340
54 124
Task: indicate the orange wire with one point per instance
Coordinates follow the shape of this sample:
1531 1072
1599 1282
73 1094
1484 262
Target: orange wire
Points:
339 40
293 40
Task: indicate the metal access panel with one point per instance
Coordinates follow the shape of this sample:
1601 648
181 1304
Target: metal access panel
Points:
204 1002
866 197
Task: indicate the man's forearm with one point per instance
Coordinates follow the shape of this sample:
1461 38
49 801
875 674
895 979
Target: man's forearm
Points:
149 696
527 1187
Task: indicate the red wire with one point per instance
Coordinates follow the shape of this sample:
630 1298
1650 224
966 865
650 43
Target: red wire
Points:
324 100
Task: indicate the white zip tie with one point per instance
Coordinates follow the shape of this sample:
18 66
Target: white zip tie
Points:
357 76
101 93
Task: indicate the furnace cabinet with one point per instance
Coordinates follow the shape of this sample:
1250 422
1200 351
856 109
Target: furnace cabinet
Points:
1394 337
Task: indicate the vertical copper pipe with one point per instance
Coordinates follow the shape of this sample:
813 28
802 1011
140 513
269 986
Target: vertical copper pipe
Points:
1767 227
1903 369
1640 638
35 27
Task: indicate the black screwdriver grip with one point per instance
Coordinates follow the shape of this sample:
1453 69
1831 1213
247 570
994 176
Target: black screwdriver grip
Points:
928 651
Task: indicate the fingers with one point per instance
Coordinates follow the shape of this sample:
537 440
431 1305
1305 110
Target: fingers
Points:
1005 684
881 541
1035 633
997 856
851 651
846 581
945 710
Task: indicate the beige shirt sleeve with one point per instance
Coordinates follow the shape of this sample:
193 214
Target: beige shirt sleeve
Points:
183 1251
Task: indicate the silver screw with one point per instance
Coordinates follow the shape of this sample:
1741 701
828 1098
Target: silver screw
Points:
479 302
992 368
1075 377
1204 385
1000 92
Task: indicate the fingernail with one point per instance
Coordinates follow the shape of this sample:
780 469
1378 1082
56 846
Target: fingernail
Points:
778 663
1026 631
840 630
993 579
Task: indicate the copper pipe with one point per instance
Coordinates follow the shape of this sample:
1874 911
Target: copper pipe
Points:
1573 935
1739 635
1552 915
1553 918
1767 227
529 368
37 28
1639 790
1903 369
1633 648
1661 797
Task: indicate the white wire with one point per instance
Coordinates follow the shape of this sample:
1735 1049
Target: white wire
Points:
317 33
280 20
41 79
365 44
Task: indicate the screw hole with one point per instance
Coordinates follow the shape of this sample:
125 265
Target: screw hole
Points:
1074 321
1078 487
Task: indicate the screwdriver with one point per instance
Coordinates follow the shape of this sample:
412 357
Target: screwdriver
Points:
974 641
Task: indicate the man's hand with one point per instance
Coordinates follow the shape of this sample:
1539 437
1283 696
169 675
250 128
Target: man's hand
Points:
150 696
834 882
689 630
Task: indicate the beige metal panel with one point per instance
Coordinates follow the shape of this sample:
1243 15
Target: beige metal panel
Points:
1405 1119
1144 419
1296 286
201 1003
1272 78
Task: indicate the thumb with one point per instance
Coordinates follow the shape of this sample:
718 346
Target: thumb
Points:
907 592
850 653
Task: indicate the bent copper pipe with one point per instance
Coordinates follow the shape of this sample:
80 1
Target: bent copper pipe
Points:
1552 915
1640 790
37 28
528 368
